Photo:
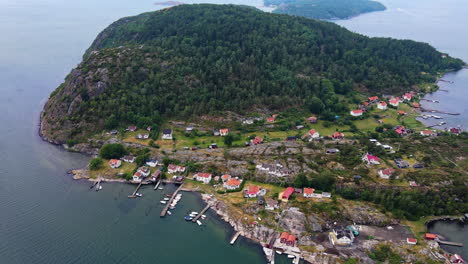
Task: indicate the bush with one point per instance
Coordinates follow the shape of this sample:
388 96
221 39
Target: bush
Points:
95 164
113 151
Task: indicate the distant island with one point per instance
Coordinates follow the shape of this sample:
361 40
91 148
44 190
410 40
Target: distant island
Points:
169 3
325 9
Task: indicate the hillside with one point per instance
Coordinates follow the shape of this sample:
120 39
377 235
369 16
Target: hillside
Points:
206 59
325 9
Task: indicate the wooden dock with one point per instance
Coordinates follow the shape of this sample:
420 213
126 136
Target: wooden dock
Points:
157 185
164 211
448 243
201 213
133 195
234 238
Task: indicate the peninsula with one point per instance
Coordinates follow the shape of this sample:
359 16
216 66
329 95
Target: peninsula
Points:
301 134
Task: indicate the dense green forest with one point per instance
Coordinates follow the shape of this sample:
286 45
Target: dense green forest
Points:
205 59
325 9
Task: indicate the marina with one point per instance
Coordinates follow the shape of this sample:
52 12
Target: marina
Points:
168 204
134 194
201 213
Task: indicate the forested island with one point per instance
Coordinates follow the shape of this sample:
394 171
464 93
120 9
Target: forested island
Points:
325 9
319 122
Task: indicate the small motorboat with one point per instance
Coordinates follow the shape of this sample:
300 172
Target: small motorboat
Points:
188 218
169 213
203 217
199 223
166 199
195 213
98 188
139 194
291 256
160 188
163 202
172 207
279 252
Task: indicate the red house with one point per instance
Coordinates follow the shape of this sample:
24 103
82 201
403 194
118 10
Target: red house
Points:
291 240
284 237
287 193
430 236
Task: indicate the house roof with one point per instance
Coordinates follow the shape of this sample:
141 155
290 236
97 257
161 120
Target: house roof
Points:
365 103
312 132
411 240
114 161
357 111
383 103
309 190
270 119
253 189
137 174
172 167
233 182
370 157
129 157
257 140
167 131
312 118
338 134
288 191
284 235
204 175
373 98
416 105
224 130
388 171
225 177
426 132
430 235
291 238
401 112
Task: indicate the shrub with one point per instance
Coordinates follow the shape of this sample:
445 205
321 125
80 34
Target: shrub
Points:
112 151
95 164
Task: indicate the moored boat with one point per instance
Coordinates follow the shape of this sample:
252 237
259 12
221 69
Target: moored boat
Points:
163 202
199 223
188 218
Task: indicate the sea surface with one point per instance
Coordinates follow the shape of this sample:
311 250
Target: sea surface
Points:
454 231
46 217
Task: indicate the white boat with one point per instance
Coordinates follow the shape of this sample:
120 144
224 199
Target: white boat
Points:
195 213
163 202
291 256
166 199
172 207
199 223
98 188
279 252
192 215
139 194
169 213
160 188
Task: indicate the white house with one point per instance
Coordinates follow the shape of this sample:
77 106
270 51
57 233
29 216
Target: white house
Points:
203 177
152 163
115 163
271 204
394 102
252 191
426 133
342 237
175 169
326 195
370 160
167 133
308 192
312 134
382 105
223 132
232 184
386 173
129 159
137 177
144 171
356 112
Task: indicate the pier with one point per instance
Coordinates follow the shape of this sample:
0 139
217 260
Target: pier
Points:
164 211
202 212
157 185
133 195
234 238
438 111
448 243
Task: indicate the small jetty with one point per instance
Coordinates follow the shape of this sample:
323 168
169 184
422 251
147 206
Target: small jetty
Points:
438 111
157 185
133 195
442 80
234 238
164 211
448 243
427 100
201 213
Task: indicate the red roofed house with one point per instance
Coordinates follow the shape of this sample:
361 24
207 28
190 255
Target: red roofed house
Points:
455 258
413 184
224 132
175 169
400 112
232 184
412 241
373 99
356 112
455 130
365 103
430 236
312 134
312 120
137 177
284 237
308 192
426 133
407 96
394 102
271 119
382 105
252 191
115 163
287 193
132 128
415 105
386 173
400 130
203 177
337 135
225 177
257 140
291 240
371 160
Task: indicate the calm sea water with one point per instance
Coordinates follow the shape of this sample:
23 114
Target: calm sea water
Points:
439 23
45 217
